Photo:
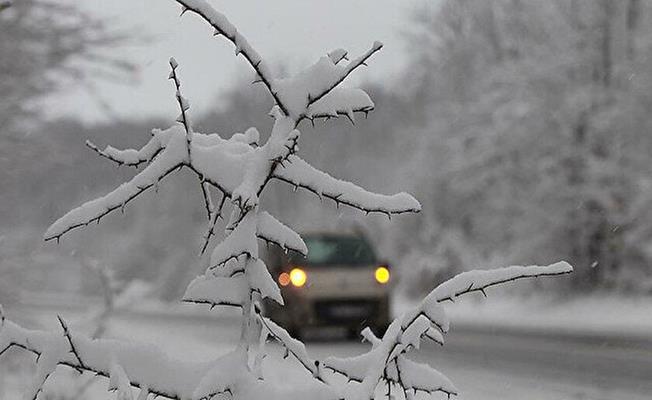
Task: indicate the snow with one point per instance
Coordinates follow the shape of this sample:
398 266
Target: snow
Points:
435 335
297 91
129 156
434 311
293 346
204 338
583 316
311 85
299 173
174 155
411 336
295 94
312 390
251 137
240 168
217 290
119 382
241 241
260 279
226 370
354 368
419 376
337 55
341 101
48 360
272 230
387 357
220 163
141 362
480 279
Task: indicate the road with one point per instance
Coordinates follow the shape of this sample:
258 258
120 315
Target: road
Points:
552 367
484 365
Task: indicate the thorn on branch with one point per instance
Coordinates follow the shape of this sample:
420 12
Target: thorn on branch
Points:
73 350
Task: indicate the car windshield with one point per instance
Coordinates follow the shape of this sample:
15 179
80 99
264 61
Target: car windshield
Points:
336 250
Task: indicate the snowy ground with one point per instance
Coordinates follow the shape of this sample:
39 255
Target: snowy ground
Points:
485 365
598 315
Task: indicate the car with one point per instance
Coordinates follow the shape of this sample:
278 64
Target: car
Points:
339 283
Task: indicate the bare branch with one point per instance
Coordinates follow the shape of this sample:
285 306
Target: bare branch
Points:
217 214
184 105
73 349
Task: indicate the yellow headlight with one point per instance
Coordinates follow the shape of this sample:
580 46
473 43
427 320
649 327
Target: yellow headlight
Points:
382 275
298 277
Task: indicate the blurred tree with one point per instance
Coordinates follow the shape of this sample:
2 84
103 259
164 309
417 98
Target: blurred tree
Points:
45 46
537 117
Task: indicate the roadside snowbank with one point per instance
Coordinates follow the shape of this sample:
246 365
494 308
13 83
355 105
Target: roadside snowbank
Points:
599 315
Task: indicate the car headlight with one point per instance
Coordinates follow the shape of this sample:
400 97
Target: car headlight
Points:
298 277
382 275
284 279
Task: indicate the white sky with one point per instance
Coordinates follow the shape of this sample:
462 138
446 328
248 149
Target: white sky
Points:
290 33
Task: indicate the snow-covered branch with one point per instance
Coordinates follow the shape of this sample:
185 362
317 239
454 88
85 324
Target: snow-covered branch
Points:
293 346
312 92
223 26
335 80
174 156
130 157
208 200
272 230
240 168
478 281
145 365
341 101
299 173
387 361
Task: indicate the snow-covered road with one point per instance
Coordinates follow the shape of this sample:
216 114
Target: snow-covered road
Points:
484 365
490 365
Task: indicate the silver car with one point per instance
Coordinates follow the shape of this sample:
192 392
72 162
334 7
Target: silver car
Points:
340 283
